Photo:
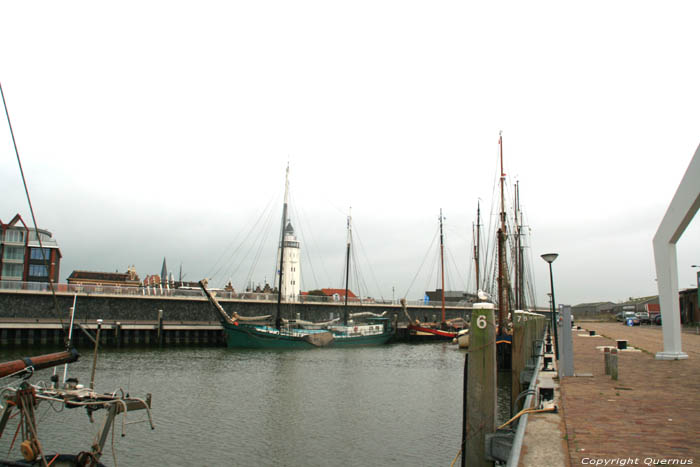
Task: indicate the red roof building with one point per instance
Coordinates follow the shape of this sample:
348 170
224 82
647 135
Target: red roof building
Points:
340 293
21 255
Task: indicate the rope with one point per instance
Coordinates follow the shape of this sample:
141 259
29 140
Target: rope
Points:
31 210
364 257
523 412
422 264
455 459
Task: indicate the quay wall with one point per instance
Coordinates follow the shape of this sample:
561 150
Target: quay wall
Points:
40 305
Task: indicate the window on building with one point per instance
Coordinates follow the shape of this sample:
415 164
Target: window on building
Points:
35 253
13 253
14 236
43 236
12 271
38 270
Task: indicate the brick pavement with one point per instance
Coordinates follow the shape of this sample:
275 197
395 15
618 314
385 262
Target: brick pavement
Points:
651 413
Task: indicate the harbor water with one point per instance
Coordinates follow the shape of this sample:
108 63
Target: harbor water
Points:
377 406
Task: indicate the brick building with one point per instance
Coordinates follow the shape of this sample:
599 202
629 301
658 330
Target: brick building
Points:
21 253
122 279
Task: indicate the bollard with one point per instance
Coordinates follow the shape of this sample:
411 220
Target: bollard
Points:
613 364
591 333
606 359
481 384
621 344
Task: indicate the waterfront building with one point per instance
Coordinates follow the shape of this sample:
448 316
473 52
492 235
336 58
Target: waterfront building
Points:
21 253
337 295
120 279
291 277
593 310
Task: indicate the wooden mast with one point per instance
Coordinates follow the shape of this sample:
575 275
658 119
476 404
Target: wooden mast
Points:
477 247
517 250
502 268
442 272
278 317
520 269
347 267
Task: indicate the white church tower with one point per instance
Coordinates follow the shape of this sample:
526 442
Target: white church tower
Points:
291 276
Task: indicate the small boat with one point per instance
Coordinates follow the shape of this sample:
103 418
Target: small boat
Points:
24 398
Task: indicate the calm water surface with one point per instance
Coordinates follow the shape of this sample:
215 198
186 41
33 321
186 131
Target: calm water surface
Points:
375 406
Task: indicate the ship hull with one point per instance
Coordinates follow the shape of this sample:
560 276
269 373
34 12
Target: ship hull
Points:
262 337
440 334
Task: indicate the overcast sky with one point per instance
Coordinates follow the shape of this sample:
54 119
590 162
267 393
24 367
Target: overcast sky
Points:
162 129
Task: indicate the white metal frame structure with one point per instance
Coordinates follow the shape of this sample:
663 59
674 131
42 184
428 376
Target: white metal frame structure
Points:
683 207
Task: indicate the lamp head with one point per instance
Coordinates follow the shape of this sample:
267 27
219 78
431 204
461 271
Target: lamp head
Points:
550 257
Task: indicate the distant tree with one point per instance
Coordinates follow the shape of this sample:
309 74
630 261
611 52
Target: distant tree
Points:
318 293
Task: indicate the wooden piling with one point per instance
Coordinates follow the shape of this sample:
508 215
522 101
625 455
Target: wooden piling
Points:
118 334
465 389
518 357
613 364
481 384
160 328
606 359
94 360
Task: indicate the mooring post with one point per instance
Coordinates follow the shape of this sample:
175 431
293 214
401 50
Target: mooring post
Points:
481 384
518 356
613 364
159 337
606 359
94 360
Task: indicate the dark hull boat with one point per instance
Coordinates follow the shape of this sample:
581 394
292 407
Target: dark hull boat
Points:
378 331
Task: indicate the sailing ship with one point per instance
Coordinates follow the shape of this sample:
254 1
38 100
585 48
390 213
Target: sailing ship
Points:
506 298
441 332
245 332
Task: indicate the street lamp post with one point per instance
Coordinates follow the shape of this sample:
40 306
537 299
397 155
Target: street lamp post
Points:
549 258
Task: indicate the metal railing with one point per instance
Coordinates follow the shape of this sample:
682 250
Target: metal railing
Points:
167 291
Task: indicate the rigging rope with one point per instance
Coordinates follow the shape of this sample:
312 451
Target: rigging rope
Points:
430 248
31 210
262 241
365 257
211 273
